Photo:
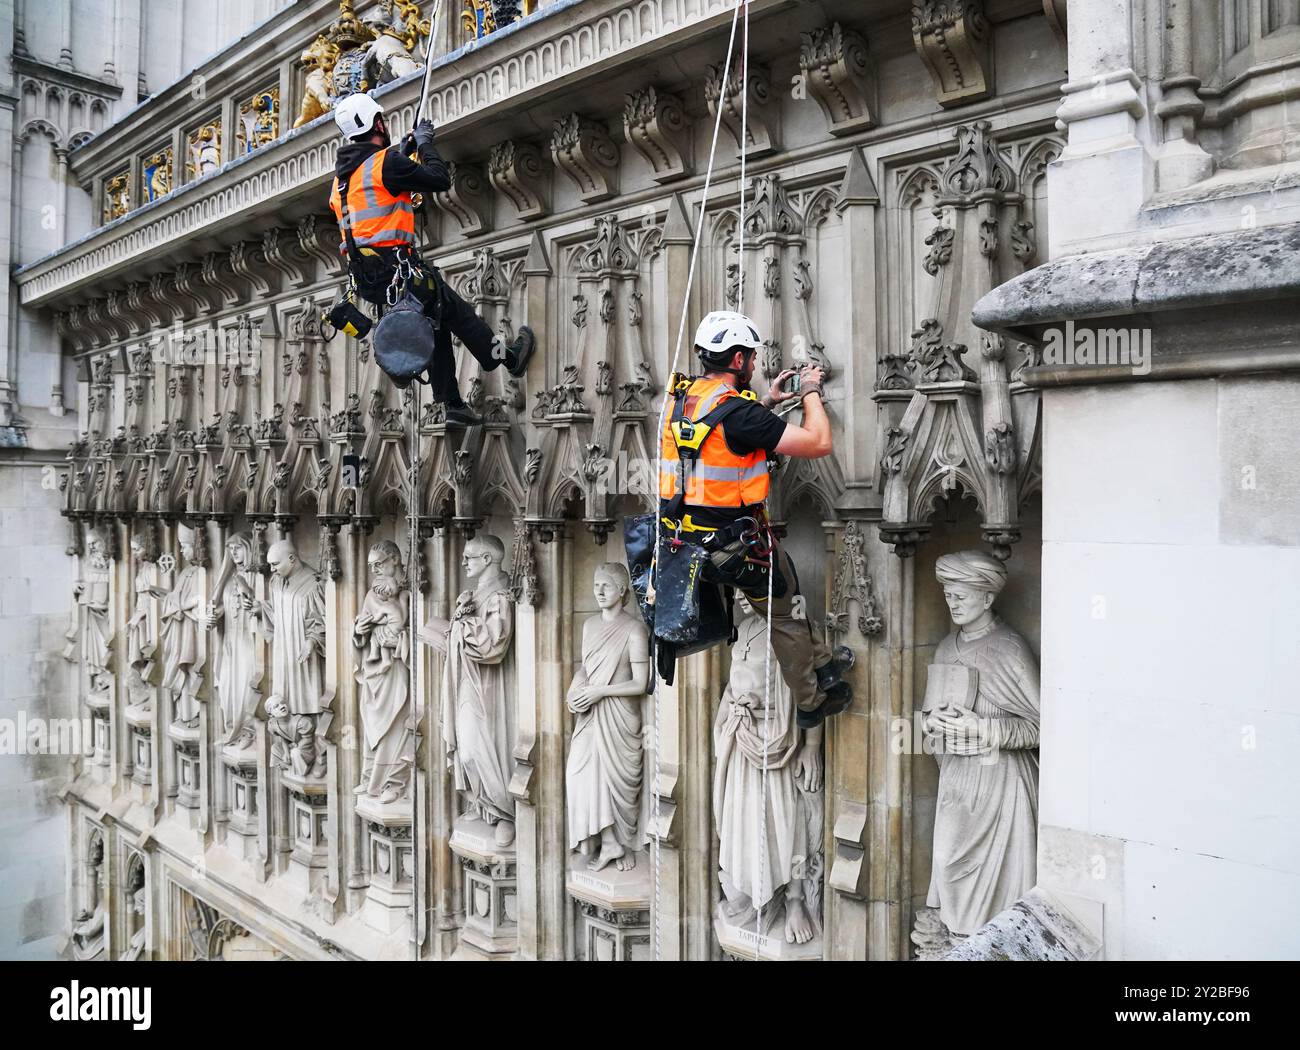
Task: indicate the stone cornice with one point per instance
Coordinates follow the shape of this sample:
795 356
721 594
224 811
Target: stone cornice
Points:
561 49
1223 269
1187 295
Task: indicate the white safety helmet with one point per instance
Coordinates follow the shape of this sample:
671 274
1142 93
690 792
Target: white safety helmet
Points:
355 115
722 333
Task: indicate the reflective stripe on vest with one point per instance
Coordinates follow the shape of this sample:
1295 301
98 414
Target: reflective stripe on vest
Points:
719 477
379 218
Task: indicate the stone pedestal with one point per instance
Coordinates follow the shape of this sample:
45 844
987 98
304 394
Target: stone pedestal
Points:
187 763
391 862
307 800
612 918
101 755
747 944
491 896
242 790
139 719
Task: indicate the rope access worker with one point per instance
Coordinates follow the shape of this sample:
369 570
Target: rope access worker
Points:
378 212
713 485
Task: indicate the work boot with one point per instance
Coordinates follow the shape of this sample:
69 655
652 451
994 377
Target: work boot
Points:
838 697
460 415
841 662
520 352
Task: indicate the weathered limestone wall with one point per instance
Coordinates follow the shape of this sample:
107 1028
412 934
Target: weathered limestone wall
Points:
1168 716
1169 819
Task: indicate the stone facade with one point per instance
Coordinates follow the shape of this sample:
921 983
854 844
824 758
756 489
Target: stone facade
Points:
898 158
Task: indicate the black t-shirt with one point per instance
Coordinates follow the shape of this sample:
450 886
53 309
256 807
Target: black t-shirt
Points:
747 429
752 428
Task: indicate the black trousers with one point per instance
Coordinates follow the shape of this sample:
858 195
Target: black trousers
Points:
455 317
446 309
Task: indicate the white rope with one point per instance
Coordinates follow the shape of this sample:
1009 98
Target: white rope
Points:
413 672
663 413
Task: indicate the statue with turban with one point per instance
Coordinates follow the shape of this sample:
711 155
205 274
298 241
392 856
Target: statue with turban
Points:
986 817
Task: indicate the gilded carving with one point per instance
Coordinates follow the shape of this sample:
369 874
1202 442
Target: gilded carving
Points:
204 150
258 121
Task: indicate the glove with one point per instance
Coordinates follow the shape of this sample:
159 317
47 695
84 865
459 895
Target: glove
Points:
423 134
407 146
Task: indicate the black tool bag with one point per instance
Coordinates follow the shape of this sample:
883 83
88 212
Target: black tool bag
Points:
404 341
691 612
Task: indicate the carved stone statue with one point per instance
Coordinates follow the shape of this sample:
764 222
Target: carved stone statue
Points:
88 928
748 733
181 616
293 738
388 56
477 714
379 631
294 617
141 643
604 776
91 633
981 709
236 670
135 922
317 98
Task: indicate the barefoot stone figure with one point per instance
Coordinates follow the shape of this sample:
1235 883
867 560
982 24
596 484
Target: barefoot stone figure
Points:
985 823
746 733
236 660
605 771
379 631
477 713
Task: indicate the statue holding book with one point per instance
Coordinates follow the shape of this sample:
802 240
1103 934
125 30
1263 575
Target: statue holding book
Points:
981 712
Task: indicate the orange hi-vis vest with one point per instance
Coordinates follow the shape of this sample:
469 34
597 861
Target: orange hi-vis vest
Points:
693 443
379 218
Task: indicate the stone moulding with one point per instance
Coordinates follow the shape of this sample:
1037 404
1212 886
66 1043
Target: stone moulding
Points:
583 150
953 39
655 124
836 64
517 172
470 86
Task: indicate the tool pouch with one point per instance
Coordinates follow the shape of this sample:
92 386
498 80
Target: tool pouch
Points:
404 341
346 317
734 566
